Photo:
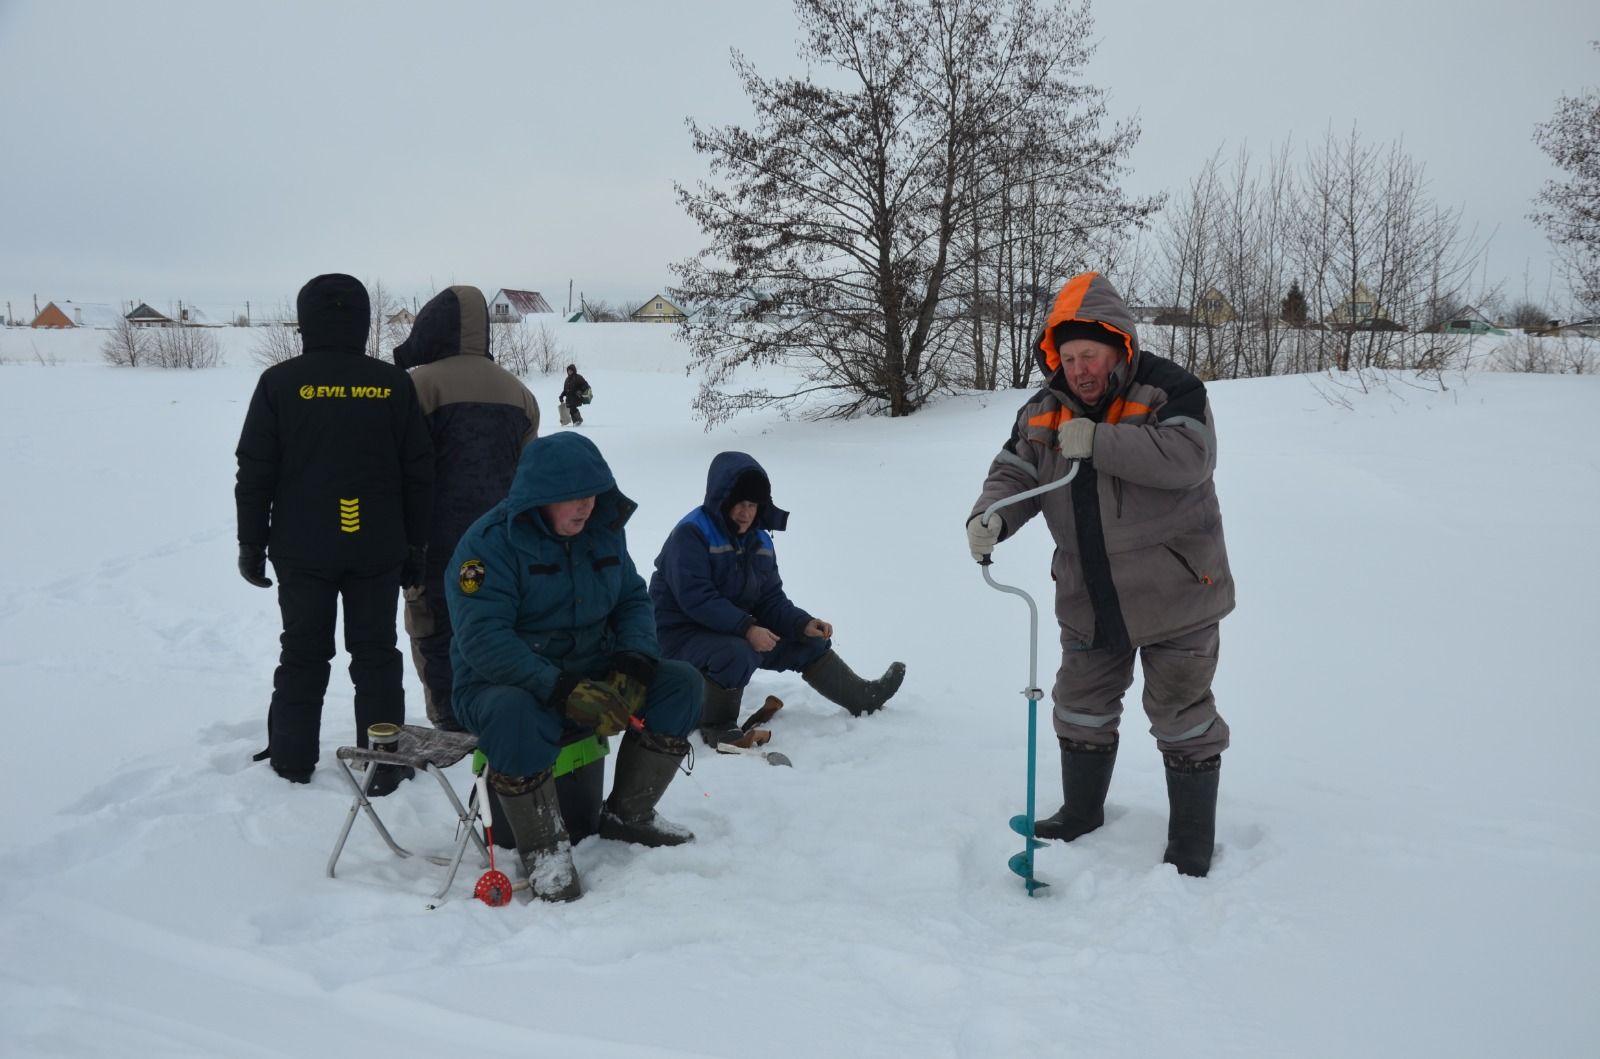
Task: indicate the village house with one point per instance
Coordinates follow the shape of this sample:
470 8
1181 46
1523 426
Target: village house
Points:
76 314
144 316
658 310
510 306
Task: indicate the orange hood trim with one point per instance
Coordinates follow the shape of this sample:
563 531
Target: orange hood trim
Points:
1067 305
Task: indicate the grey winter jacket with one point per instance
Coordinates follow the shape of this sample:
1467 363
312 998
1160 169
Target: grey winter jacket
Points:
1140 556
479 415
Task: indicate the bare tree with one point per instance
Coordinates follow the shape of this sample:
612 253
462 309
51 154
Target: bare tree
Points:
511 346
521 348
126 346
1334 264
547 353
843 236
1570 210
1568 355
1189 263
384 334
601 312
185 347
274 344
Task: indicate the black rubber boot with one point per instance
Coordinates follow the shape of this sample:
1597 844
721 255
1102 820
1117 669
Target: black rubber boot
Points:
646 763
531 808
837 683
719 716
387 778
1085 778
1192 813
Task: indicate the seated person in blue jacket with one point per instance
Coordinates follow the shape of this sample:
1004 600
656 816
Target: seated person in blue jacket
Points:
721 607
554 635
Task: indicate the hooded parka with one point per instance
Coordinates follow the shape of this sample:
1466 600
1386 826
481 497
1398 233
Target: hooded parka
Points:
1140 556
479 417
528 604
335 465
335 477
711 583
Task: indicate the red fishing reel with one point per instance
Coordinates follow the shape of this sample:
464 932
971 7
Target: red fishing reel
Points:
493 889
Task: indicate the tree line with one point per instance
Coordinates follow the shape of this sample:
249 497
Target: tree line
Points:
896 223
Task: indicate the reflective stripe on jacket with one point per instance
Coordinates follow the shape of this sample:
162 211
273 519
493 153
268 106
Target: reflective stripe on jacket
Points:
1140 555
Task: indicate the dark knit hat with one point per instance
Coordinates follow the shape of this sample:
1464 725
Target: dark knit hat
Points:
335 314
752 486
1068 330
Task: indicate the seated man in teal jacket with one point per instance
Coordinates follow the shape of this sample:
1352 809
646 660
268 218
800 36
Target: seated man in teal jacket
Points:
554 636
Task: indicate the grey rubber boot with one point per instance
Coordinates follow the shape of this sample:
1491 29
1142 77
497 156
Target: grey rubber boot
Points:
719 716
646 763
1192 813
1085 778
529 804
837 683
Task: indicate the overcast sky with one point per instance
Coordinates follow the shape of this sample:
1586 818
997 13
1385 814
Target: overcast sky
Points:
220 151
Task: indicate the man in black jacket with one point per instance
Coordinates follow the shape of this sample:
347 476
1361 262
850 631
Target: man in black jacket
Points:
572 397
335 481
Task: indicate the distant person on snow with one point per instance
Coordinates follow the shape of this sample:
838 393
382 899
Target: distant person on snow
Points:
1140 566
555 636
572 397
479 418
335 479
721 606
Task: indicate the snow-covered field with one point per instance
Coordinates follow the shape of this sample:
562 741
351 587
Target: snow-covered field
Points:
1408 826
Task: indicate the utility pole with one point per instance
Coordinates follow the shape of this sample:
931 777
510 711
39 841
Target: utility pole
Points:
569 297
247 312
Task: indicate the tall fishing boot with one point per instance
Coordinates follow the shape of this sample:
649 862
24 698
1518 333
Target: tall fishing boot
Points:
835 682
1085 778
530 806
719 716
1192 813
646 763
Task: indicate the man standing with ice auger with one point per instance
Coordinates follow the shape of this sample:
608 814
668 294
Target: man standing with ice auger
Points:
1140 566
335 479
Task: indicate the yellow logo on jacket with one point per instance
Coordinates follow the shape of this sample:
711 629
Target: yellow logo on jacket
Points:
349 514
471 575
308 393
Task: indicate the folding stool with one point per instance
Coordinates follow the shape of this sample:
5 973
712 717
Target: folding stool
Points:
426 750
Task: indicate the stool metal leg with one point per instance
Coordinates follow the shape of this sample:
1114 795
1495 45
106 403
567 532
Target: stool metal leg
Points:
466 815
357 806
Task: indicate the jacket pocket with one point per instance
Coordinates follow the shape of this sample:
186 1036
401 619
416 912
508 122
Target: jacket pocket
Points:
1196 555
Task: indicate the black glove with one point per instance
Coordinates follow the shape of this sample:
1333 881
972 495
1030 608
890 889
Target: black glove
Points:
415 569
253 565
591 703
632 674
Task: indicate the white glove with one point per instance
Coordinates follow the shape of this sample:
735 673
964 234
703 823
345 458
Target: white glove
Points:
981 539
1077 438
